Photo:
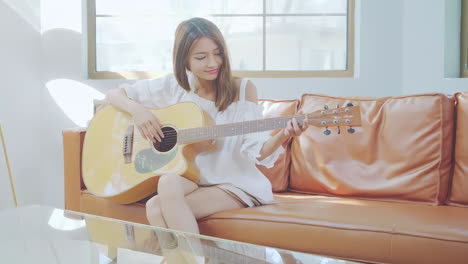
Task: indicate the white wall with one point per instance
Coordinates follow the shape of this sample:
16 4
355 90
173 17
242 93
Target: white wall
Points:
400 49
20 98
61 44
423 39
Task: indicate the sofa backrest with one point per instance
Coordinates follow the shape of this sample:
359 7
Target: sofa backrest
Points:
459 191
402 152
279 173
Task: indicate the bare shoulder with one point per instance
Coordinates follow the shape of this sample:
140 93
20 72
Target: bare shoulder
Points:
251 92
250 89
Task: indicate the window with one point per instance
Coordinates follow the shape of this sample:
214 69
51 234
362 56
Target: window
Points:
265 38
464 40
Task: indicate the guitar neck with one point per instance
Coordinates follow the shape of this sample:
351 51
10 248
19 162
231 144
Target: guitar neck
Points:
235 129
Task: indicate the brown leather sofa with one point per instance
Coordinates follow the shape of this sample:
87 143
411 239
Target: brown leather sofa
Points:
395 191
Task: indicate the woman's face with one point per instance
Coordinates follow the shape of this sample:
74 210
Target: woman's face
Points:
205 59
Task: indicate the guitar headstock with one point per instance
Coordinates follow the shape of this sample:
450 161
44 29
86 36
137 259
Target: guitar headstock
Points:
347 116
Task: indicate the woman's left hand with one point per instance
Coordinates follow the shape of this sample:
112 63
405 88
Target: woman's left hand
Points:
294 129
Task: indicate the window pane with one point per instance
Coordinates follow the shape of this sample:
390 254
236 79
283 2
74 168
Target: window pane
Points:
306 6
127 7
188 8
244 40
223 6
138 35
306 43
142 44
135 44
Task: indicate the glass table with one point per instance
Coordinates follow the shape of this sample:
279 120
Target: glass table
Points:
40 234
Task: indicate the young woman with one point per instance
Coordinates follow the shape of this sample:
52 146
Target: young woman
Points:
229 178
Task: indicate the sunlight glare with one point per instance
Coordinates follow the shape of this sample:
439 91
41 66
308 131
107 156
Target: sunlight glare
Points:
75 99
58 221
59 14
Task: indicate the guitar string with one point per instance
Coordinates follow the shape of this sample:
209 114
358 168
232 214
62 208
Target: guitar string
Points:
241 125
196 135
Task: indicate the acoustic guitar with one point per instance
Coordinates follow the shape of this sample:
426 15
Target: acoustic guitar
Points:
120 165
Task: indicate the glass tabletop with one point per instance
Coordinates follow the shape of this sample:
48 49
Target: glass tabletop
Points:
41 234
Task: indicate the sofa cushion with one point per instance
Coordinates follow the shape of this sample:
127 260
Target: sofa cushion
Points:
402 152
459 192
363 230
279 173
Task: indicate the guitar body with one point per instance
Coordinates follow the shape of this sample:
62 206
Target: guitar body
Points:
107 173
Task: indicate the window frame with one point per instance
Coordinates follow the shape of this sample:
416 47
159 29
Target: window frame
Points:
93 74
464 40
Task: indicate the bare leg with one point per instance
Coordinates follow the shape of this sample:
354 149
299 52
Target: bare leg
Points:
202 205
175 210
180 203
155 218
170 209
154 213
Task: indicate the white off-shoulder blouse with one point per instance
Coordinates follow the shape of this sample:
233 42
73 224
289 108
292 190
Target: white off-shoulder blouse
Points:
232 165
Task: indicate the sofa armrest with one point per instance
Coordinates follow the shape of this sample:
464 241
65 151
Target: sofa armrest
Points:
72 149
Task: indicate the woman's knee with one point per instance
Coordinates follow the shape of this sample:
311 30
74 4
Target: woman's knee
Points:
153 208
170 185
153 202
174 186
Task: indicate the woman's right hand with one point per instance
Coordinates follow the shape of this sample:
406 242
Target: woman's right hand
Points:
147 123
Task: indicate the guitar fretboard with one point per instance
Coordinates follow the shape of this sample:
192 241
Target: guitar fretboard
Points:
234 129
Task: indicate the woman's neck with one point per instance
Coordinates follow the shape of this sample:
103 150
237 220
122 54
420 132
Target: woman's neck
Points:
205 87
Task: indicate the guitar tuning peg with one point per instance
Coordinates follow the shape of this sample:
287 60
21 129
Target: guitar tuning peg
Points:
351 130
325 107
349 104
337 106
339 130
327 132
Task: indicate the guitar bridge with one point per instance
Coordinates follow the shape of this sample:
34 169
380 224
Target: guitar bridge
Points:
128 145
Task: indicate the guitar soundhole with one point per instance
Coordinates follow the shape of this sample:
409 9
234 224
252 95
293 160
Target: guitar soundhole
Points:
169 140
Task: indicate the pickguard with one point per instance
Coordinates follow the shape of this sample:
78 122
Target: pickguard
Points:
148 160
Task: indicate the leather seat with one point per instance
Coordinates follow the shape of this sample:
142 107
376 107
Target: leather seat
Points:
356 229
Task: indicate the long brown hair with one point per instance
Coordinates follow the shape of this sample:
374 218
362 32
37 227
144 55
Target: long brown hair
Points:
186 34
